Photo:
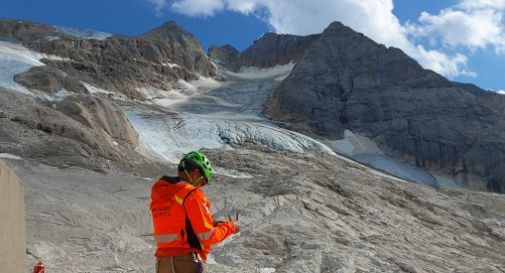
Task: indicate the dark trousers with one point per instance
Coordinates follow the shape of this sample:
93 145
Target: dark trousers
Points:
179 264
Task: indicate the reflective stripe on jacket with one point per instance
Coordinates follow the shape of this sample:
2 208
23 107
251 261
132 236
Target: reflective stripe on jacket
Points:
182 221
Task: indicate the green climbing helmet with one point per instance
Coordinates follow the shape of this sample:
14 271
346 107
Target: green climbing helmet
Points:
199 160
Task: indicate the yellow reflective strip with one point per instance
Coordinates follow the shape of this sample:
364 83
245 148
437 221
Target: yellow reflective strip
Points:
205 235
205 222
179 200
166 238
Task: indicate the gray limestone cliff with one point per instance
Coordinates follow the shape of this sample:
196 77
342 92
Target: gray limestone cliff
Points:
347 81
226 55
270 50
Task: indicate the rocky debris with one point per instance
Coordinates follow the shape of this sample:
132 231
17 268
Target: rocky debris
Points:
270 50
171 44
347 81
81 131
158 58
351 219
297 212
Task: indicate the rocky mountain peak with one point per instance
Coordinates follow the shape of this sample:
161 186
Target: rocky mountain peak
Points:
226 55
156 59
338 26
270 50
346 81
167 29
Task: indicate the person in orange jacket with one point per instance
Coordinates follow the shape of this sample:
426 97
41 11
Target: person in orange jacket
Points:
184 230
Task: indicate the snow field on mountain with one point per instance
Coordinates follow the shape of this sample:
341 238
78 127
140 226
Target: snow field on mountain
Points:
217 115
181 91
16 59
366 151
84 33
214 115
278 72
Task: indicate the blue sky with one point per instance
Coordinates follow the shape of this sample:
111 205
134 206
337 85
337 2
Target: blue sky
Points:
461 39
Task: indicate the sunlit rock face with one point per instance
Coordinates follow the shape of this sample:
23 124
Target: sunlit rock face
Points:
158 58
347 81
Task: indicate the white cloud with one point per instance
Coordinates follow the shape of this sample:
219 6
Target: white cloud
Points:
481 4
198 7
158 4
374 18
451 66
471 24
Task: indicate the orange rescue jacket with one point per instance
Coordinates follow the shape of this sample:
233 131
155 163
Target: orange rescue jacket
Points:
182 221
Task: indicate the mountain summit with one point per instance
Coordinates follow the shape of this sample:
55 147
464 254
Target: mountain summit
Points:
347 81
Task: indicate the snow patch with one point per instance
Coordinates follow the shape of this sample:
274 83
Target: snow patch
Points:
353 144
181 92
231 173
267 270
52 38
278 72
366 151
99 91
171 65
196 85
162 97
16 59
60 95
84 33
446 182
96 90
10 156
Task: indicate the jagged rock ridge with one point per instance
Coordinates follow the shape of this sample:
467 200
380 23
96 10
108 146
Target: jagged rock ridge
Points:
270 50
347 81
155 59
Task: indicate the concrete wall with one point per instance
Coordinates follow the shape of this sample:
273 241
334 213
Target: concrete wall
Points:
12 222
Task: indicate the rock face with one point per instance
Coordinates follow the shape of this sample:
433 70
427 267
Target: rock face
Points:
24 31
50 80
347 81
270 50
227 55
157 58
81 130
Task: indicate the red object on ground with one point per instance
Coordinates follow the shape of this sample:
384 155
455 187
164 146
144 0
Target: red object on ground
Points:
39 268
